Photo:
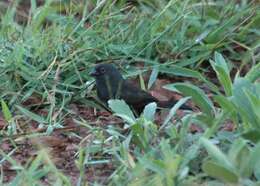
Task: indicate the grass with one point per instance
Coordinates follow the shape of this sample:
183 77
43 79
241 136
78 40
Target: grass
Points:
47 50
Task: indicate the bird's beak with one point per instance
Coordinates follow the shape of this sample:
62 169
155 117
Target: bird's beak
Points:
93 73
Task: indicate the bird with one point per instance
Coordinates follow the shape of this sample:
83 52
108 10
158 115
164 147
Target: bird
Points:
110 84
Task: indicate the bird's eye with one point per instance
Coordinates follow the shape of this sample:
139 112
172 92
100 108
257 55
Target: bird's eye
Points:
102 70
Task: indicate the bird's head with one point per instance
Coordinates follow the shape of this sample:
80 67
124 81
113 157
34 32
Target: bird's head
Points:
108 81
103 71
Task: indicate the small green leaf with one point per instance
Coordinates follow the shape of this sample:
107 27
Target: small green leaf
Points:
153 77
252 135
122 109
255 103
6 112
257 170
221 68
193 60
221 30
224 79
31 115
139 138
221 62
149 111
255 161
225 103
185 72
142 81
180 71
254 73
173 111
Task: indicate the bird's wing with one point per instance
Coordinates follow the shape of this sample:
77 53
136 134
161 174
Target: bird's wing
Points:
135 96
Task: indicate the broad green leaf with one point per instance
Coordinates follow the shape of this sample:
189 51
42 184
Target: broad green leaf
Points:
122 109
196 94
235 149
225 103
185 72
239 154
219 171
241 89
216 154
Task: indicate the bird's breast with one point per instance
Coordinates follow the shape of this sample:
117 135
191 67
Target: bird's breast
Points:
108 89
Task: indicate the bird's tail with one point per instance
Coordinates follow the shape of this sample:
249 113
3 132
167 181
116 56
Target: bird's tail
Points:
171 103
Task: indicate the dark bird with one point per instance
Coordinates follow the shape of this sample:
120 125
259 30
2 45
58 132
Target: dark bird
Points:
110 84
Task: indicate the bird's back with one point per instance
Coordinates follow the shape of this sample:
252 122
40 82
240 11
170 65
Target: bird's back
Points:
135 97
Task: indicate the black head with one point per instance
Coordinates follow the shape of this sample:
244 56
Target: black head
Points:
108 81
102 70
